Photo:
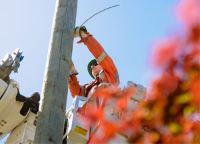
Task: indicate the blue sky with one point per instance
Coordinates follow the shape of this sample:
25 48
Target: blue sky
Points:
126 32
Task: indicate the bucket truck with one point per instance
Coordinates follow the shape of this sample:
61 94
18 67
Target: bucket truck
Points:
17 112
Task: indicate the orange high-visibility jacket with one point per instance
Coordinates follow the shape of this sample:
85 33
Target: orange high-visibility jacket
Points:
109 74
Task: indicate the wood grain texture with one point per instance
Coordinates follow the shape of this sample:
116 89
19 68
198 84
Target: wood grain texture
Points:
55 86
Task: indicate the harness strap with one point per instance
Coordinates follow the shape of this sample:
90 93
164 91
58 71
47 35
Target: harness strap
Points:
89 86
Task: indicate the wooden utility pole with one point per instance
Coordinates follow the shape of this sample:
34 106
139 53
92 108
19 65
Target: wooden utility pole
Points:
54 93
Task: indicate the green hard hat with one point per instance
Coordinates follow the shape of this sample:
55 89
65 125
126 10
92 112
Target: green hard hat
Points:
89 67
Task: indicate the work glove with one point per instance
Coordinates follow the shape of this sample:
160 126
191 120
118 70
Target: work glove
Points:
73 70
80 32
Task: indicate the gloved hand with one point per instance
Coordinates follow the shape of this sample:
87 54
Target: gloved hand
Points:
73 70
80 32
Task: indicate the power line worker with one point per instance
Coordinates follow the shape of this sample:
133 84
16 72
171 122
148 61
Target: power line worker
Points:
102 68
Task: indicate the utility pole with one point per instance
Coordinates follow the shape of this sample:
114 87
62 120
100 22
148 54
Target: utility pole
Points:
54 93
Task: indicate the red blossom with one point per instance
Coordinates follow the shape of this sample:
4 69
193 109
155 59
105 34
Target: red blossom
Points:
164 53
195 91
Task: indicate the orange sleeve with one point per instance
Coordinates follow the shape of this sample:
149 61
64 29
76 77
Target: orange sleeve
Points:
110 71
74 87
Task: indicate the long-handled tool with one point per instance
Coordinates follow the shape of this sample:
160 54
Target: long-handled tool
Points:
98 13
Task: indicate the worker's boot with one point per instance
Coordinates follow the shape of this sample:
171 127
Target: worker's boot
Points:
80 32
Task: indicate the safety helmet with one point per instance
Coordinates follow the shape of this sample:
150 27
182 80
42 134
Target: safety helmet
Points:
92 62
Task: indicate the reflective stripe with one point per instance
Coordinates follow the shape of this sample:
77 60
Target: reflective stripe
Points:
101 57
83 90
117 77
101 75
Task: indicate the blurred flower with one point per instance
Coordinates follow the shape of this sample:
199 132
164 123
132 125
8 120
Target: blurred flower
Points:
164 53
188 12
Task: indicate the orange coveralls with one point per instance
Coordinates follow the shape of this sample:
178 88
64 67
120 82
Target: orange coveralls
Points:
108 75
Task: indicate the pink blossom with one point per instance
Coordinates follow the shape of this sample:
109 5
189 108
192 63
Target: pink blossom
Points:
165 52
188 12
